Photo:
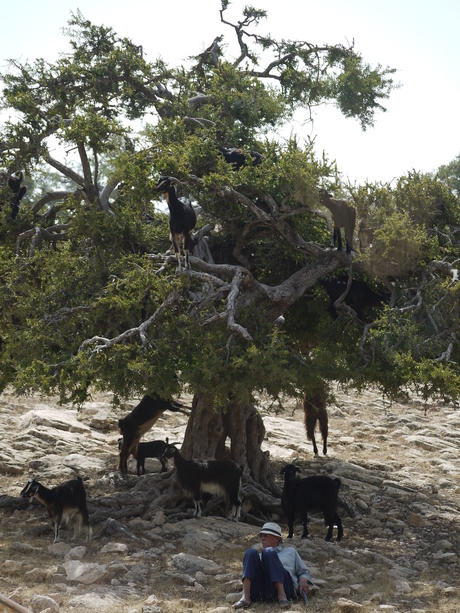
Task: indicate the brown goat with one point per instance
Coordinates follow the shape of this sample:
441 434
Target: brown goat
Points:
314 408
138 422
343 216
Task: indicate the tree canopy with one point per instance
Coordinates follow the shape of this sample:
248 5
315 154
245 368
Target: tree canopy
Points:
89 298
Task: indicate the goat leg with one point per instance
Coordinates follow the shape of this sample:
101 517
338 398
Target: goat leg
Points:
305 529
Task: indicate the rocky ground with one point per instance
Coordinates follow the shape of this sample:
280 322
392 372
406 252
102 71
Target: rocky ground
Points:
399 466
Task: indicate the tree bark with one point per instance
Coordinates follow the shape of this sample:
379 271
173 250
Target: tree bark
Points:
209 429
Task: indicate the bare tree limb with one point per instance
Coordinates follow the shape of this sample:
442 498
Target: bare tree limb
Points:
141 330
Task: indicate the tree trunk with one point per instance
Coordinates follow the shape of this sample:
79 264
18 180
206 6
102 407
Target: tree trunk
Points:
209 428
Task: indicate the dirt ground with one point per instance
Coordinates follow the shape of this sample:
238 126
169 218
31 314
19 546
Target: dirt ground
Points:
399 466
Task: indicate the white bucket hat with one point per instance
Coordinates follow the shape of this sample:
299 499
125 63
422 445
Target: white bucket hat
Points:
271 528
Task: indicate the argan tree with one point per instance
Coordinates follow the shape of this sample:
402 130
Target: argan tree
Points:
89 298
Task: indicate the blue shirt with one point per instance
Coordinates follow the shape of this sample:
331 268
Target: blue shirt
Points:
293 563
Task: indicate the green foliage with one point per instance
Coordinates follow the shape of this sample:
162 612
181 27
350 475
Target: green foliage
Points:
86 312
359 88
450 175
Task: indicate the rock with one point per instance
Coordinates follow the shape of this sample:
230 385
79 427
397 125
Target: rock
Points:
86 573
42 603
112 547
348 606
76 553
416 520
192 564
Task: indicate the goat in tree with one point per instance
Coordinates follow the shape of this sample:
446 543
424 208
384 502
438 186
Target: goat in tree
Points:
238 157
343 216
14 183
360 296
182 219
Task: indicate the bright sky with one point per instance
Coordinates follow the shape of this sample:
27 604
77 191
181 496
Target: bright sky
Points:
421 129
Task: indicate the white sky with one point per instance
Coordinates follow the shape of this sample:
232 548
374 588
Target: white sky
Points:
421 129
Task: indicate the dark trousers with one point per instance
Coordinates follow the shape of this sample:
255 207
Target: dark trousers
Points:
264 571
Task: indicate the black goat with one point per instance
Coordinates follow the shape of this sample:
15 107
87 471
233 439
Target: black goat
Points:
314 408
138 422
64 502
343 216
360 296
182 219
14 183
211 476
239 157
318 493
151 449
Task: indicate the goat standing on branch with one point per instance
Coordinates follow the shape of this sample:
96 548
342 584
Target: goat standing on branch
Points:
343 216
182 219
14 183
239 157
64 502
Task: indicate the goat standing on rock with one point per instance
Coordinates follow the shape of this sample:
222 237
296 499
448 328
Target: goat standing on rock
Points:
318 493
182 219
211 476
64 502
343 216
151 449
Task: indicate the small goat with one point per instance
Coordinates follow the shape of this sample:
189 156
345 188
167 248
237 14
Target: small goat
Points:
360 296
238 157
138 422
152 449
318 493
14 183
211 476
182 219
343 216
314 408
66 502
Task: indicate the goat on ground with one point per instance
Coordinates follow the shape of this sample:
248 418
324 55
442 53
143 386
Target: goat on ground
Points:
314 408
360 296
211 476
182 219
14 183
319 493
151 449
138 422
66 502
239 157
343 216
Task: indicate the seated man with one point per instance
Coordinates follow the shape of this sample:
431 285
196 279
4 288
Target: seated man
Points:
275 573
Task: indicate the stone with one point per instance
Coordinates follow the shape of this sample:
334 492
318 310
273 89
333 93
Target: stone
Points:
87 573
42 603
348 606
